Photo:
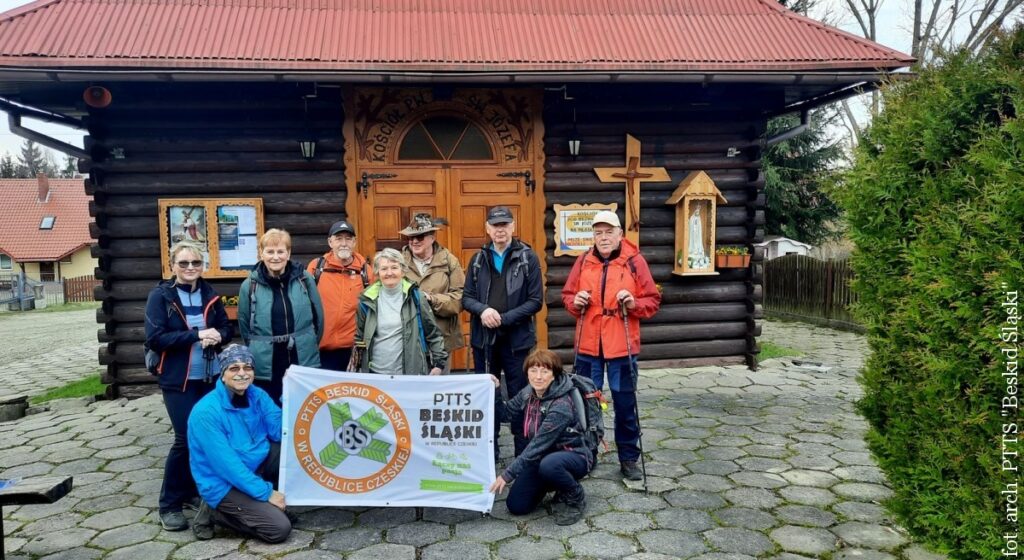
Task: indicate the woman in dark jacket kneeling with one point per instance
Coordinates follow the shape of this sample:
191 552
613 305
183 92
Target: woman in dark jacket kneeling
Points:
555 457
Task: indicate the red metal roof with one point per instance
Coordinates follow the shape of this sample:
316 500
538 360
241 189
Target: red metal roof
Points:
21 213
431 35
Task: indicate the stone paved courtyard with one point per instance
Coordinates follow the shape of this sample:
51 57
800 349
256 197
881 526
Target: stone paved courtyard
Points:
766 464
41 351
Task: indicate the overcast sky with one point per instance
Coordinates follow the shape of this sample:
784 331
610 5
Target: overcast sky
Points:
890 34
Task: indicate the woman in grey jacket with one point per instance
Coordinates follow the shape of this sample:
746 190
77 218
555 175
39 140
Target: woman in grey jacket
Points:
395 329
279 313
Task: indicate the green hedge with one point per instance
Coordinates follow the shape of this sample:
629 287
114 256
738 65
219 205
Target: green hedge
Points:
935 202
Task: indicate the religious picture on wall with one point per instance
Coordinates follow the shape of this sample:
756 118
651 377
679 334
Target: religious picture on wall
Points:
188 223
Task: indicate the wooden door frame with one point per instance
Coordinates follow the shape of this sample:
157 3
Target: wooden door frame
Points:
530 139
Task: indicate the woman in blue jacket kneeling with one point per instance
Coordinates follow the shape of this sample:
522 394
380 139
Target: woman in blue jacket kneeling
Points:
234 436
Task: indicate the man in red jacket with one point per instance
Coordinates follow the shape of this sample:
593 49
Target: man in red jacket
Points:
612 274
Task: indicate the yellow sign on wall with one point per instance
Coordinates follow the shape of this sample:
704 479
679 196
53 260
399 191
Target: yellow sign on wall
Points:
574 232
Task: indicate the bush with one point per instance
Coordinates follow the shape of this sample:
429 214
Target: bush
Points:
935 203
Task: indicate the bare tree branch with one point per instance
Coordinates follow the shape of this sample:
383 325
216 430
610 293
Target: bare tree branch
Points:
851 122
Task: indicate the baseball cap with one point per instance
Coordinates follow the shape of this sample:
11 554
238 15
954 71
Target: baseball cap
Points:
606 217
340 227
499 215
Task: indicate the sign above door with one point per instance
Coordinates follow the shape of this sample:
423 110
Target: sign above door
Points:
397 126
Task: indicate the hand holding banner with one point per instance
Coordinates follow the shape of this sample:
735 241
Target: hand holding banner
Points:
363 439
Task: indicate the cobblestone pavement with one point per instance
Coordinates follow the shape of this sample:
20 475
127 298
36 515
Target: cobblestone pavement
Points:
766 464
41 351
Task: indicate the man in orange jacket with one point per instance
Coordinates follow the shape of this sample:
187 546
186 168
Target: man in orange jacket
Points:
612 274
341 274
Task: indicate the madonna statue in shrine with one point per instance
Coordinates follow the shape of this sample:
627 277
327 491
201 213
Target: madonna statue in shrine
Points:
698 257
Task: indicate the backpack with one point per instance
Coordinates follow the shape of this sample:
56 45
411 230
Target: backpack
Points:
153 358
321 264
305 290
589 405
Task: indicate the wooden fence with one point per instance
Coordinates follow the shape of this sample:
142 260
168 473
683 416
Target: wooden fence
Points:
808 289
79 289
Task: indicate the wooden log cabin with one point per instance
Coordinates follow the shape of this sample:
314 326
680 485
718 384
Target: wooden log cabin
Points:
446 106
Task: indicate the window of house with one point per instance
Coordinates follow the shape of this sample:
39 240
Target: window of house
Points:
5 262
47 222
444 138
66 260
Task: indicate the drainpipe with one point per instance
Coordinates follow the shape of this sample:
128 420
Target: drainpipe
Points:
792 132
16 112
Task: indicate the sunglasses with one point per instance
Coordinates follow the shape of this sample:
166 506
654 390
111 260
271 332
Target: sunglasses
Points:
419 237
187 264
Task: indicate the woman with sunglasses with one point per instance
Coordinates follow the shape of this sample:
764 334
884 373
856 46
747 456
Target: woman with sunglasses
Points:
185 325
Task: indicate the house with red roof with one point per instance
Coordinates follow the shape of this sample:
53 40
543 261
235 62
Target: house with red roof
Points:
44 229
374 110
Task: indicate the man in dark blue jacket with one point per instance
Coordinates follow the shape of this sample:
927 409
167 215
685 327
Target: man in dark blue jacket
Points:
502 294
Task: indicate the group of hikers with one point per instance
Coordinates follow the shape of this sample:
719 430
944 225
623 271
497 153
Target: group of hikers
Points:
396 316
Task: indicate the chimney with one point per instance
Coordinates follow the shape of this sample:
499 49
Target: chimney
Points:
44 187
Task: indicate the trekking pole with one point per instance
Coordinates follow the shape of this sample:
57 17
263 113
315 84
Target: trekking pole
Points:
576 343
636 389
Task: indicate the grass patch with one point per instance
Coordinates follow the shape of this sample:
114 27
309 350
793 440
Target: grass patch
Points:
68 307
81 306
88 387
770 350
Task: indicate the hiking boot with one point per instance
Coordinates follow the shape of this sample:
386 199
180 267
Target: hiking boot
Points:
202 525
192 503
173 521
631 471
572 511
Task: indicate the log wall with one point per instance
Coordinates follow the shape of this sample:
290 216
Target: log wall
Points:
224 141
703 319
202 141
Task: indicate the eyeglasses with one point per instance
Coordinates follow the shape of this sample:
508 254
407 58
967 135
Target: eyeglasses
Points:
240 373
418 238
188 264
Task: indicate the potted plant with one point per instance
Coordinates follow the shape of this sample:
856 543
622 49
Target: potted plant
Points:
230 306
732 256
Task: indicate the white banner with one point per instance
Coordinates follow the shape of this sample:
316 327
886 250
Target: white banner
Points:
359 439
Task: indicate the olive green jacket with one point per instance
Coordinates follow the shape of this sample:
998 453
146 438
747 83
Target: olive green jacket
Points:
443 281
422 340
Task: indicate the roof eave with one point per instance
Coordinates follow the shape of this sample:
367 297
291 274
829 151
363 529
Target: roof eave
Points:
782 75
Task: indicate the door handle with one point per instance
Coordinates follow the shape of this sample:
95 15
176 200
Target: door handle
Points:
527 179
363 186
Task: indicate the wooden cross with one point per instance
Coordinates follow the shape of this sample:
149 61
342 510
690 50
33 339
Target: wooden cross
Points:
632 175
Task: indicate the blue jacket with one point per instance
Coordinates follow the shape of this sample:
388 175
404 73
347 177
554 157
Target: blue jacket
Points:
168 333
525 295
226 444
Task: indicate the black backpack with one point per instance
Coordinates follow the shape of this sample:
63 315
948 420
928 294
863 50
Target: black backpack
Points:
589 405
153 358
